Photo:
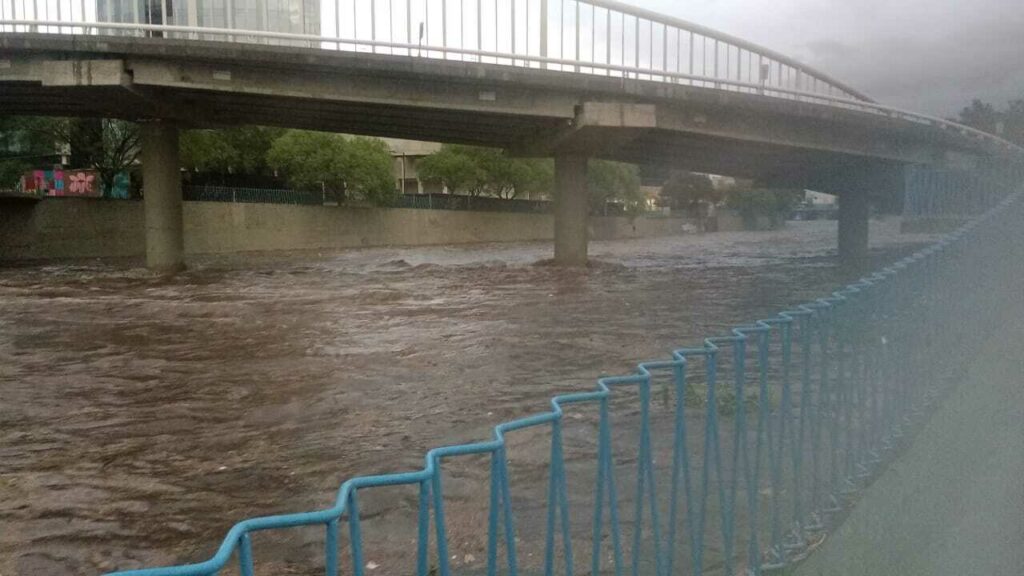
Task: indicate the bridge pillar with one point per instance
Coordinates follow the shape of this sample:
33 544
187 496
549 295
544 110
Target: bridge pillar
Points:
572 210
161 190
854 213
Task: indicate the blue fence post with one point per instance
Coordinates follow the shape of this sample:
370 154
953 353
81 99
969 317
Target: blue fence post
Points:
800 522
680 468
645 484
506 512
711 451
355 533
606 484
439 527
331 548
245 563
754 476
558 502
422 529
564 509
492 518
819 403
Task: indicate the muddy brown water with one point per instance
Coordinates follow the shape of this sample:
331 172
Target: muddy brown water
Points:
141 417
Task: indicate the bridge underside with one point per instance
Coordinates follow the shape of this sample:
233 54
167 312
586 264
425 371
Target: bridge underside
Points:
210 109
528 111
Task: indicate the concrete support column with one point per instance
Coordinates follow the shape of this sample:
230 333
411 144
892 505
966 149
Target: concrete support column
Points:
572 210
854 212
161 190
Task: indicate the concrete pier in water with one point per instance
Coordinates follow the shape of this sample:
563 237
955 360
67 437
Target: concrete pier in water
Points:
161 177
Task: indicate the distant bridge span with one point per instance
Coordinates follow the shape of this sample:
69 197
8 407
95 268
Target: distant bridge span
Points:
649 89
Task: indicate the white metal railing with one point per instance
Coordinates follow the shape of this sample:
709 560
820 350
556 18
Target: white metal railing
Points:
596 37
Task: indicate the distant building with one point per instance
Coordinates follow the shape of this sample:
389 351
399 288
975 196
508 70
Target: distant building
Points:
290 16
818 198
406 155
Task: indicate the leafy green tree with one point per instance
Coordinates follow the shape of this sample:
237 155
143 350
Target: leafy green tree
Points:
1014 122
353 168
479 171
1008 122
773 204
455 167
534 178
240 150
490 172
609 181
981 115
309 160
26 142
367 165
503 176
689 191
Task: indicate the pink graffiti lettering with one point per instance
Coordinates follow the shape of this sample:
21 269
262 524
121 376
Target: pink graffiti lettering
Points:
81 183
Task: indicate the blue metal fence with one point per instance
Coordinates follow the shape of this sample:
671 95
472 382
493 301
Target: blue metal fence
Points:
771 431
319 198
256 195
951 192
478 203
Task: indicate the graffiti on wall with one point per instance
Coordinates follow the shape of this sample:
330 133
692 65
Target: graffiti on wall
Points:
81 184
119 189
76 183
43 182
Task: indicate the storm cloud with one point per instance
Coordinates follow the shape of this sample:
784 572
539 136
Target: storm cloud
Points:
931 56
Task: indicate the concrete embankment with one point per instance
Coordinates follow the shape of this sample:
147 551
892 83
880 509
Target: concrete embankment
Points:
953 505
81 228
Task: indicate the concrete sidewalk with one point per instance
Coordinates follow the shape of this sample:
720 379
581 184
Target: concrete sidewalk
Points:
954 503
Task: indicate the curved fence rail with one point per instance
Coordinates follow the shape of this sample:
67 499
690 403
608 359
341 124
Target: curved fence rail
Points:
746 448
597 37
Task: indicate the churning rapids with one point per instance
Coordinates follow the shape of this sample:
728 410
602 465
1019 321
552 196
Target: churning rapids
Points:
140 417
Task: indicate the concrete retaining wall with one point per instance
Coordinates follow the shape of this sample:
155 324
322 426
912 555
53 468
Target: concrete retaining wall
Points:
83 228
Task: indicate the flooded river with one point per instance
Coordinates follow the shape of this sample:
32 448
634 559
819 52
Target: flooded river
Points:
140 418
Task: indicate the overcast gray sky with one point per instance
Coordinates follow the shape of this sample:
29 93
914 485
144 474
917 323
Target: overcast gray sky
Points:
925 55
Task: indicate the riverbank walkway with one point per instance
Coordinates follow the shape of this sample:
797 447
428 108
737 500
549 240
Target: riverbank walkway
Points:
953 504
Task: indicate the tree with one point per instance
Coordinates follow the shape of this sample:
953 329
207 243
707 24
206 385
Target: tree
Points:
609 181
108 146
488 171
356 168
457 167
1008 122
367 165
480 171
773 204
121 149
242 150
309 160
26 142
689 191
534 178
1014 122
981 115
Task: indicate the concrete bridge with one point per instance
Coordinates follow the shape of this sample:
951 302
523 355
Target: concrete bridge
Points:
572 80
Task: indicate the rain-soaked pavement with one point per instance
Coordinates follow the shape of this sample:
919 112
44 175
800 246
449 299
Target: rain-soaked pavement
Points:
140 418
